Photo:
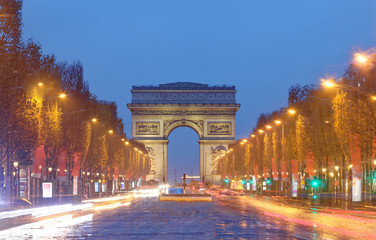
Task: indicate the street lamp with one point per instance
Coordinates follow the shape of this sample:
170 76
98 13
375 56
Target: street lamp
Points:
291 111
361 58
328 83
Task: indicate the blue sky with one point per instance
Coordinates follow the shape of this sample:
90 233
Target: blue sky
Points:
261 47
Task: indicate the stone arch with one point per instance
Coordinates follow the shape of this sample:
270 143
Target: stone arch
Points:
208 110
170 125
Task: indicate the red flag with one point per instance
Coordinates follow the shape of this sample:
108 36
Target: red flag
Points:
62 159
356 157
295 169
39 161
256 171
116 172
76 164
310 164
265 171
274 170
284 169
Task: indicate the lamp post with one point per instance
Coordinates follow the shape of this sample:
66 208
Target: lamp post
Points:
16 179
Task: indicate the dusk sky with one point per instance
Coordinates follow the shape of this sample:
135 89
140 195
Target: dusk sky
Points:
261 47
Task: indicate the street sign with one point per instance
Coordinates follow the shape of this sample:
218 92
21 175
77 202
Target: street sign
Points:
336 183
374 174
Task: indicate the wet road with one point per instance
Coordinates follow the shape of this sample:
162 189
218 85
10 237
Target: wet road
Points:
147 218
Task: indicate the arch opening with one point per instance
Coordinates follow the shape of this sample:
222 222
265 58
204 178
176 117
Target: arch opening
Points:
183 155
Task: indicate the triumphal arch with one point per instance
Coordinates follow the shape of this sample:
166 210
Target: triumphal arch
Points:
208 110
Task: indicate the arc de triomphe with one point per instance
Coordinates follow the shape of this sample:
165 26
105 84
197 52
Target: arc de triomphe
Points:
208 110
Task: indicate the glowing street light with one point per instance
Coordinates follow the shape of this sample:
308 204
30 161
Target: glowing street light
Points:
15 164
268 126
94 120
291 111
278 122
360 58
62 95
253 135
328 83
260 131
110 131
40 84
126 143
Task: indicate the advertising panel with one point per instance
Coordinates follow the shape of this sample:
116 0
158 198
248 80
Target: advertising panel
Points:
47 189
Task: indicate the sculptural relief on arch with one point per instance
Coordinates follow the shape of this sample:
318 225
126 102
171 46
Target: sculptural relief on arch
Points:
209 110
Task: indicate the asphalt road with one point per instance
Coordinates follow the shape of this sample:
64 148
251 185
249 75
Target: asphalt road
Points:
147 218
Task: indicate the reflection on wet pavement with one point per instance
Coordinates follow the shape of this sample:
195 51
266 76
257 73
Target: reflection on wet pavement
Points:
147 218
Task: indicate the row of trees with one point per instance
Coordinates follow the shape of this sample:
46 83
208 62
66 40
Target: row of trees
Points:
327 133
45 102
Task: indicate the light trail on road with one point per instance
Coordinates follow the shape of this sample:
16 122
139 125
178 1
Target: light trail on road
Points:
142 215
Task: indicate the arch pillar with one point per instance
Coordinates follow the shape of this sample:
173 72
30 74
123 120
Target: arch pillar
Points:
209 152
157 150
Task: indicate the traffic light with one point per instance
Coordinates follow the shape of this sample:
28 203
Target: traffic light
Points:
314 196
251 181
226 180
315 183
268 181
243 182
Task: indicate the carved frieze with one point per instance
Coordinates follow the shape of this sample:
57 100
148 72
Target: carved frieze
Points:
147 128
219 128
182 112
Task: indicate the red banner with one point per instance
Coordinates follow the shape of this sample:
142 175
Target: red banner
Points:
265 171
274 170
116 173
39 161
355 155
256 171
284 169
295 169
76 164
62 159
310 164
